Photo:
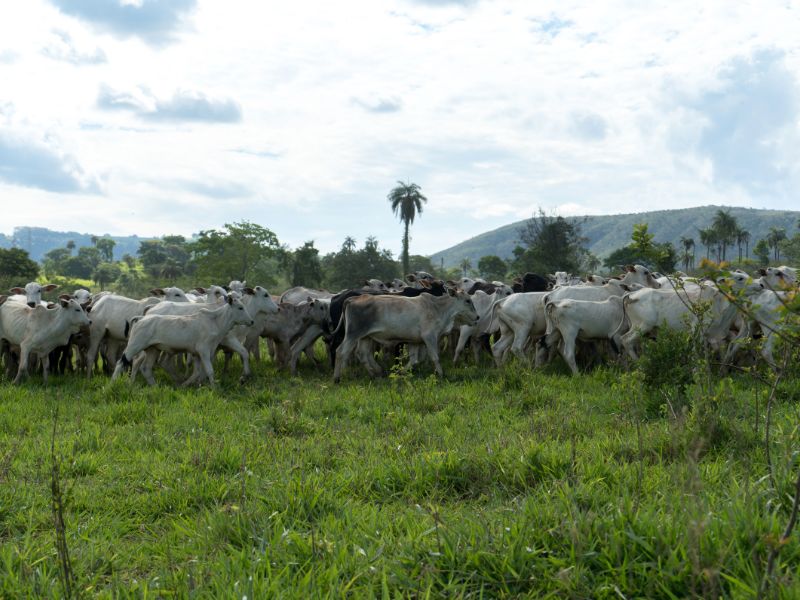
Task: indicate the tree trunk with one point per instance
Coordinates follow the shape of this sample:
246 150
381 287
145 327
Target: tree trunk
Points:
406 267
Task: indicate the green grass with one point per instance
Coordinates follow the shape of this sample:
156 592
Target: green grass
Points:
489 484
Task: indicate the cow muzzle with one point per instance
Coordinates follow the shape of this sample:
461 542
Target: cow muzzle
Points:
32 304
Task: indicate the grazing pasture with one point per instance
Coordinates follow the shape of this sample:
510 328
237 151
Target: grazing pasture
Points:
490 483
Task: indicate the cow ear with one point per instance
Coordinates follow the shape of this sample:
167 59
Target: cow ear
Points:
87 307
451 291
230 300
156 292
17 290
410 277
366 282
49 305
63 301
250 291
200 290
625 287
49 287
66 297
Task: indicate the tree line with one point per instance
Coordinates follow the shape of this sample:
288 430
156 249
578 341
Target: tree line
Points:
252 252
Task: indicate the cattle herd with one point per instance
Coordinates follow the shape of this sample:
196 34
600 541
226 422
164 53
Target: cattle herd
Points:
181 332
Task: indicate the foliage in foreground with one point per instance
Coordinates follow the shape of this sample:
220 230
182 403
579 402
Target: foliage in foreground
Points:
501 483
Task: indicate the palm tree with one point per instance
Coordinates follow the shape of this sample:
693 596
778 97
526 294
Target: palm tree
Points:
741 236
688 252
407 200
745 235
775 236
708 237
70 246
465 265
725 226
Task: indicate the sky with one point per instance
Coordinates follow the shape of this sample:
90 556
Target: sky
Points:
156 117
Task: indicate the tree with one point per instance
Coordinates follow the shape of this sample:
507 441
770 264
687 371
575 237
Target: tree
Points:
90 255
688 252
420 263
54 261
106 248
243 251
761 250
465 265
725 227
350 267
791 249
70 246
16 266
305 266
642 240
406 200
743 237
492 267
642 249
549 244
708 237
774 238
105 273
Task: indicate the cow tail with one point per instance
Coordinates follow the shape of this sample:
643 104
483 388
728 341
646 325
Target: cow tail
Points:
550 319
625 301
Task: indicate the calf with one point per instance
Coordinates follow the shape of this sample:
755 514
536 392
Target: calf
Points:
519 316
199 333
571 320
110 316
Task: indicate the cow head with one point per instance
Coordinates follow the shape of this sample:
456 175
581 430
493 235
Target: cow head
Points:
33 292
465 309
640 274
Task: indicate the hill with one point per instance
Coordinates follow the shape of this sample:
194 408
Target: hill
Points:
40 240
606 233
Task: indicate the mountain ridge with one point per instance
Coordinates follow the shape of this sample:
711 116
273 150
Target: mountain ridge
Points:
606 233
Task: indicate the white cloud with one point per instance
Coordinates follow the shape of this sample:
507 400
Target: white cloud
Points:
302 117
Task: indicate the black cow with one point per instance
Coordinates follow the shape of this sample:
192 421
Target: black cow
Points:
530 282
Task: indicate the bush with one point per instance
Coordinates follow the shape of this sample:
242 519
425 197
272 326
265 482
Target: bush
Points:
667 368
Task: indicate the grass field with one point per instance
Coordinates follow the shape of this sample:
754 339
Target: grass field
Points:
489 484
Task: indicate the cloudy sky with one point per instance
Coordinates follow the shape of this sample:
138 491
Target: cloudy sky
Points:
171 116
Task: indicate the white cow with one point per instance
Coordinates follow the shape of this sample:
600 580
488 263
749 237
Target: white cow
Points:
199 334
519 317
31 294
483 306
300 293
766 310
40 330
110 316
647 310
571 320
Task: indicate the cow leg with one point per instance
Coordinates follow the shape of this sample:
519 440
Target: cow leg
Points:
205 360
501 345
343 353
567 350
22 370
629 342
432 346
520 340
233 343
464 334
147 363
544 347
45 358
366 354
95 337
